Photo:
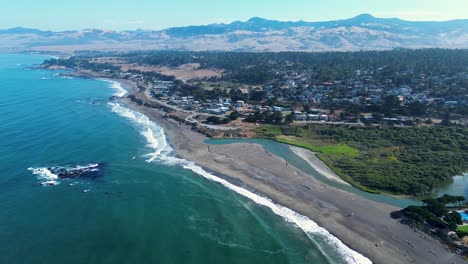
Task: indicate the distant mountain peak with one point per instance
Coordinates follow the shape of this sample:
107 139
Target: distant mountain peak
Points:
364 18
257 20
21 30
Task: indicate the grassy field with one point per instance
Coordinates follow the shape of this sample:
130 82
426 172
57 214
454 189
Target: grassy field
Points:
329 153
463 229
269 131
316 146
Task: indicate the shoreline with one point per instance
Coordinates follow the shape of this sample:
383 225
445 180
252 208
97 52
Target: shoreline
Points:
307 225
317 164
370 231
328 207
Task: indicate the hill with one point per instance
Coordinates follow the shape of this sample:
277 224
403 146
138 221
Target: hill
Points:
363 32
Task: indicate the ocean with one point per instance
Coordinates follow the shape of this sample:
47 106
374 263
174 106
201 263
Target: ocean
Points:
85 180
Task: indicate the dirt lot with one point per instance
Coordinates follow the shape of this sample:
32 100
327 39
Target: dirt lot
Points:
186 72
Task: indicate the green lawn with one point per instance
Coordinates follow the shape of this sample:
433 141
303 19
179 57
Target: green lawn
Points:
463 229
326 149
269 131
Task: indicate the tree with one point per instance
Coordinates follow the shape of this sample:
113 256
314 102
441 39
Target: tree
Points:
446 122
236 95
435 207
277 117
451 199
234 115
217 120
377 117
253 118
289 118
213 119
391 104
453 220
417 108
258 95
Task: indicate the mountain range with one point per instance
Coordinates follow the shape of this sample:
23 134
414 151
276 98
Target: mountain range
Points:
363 32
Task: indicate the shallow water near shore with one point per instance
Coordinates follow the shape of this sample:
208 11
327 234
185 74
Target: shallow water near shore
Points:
133 211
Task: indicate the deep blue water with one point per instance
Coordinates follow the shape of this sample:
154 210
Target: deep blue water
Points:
130 211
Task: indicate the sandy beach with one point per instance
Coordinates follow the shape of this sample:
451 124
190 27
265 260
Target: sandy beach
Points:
362 224
317 164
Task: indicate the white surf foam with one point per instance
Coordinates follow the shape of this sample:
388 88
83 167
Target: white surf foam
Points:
89 167
153 133
164 153
120 91
45 176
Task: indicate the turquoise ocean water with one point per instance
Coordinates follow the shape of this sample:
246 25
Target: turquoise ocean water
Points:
130 210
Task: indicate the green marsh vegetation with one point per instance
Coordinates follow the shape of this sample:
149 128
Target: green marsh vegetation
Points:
395 160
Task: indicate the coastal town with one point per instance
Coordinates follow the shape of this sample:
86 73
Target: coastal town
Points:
361 95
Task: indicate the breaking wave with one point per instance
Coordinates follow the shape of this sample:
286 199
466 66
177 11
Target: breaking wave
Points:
45 176
163 153
119 90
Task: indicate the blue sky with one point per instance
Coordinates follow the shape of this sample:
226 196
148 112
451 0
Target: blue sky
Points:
157 14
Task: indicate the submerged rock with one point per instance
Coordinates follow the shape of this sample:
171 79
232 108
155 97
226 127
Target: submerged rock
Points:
50 176
90 170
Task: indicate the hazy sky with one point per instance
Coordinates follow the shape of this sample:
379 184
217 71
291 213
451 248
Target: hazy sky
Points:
158 14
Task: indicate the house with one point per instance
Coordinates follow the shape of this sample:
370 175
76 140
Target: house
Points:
217 111
451 102
276 109
240 103
300 117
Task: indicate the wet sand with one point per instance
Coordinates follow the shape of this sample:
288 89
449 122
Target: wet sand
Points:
363 225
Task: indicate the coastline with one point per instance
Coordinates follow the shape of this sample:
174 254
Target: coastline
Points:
369 230
184 159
